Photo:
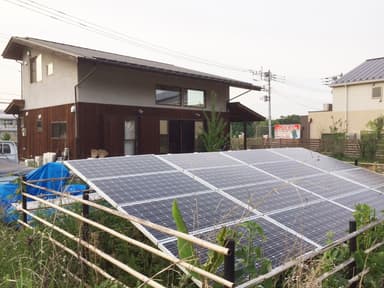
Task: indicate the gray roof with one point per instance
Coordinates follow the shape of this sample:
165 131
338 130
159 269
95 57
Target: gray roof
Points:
372 70
16 47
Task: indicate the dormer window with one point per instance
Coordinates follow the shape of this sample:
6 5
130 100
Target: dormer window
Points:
36 71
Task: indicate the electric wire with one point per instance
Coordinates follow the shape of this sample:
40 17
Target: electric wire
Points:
67 18
64 17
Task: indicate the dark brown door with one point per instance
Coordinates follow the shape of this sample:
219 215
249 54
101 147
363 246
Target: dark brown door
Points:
181 136
187 136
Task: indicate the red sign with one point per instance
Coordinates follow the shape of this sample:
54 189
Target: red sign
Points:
287 131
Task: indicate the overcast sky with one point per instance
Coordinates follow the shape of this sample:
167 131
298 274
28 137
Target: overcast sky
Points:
301 40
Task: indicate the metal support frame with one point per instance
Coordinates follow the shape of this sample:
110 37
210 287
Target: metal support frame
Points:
85 234
24 206
352 249
229 261
245 124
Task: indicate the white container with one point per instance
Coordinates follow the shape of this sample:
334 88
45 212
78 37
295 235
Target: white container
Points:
49 157
29 162
38 161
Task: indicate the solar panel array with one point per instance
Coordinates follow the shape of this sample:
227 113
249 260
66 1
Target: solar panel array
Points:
298 196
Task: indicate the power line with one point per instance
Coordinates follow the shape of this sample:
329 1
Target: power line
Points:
330 79
64 17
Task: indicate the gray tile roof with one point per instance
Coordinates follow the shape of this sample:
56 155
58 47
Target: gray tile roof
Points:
370 70
16 44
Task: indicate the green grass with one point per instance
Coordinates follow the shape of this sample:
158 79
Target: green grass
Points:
30 260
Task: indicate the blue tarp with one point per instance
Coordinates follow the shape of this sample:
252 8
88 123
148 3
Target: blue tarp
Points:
54 170
8 196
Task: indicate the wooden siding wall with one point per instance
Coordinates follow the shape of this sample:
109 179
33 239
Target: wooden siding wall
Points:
102 126
36 143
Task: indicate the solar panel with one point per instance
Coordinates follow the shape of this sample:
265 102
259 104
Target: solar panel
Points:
199 211
315 221
373 199
232 176
272 196
256 156
314 159
278 246
200 160
118 166
222 188
124 190
363 176
328 185
288 169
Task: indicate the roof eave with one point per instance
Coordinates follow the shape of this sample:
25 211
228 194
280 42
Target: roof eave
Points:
240 113
356 82
230 82
15 48
15 107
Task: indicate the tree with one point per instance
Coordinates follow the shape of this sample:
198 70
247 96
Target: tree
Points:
289 119
6 136
238 127
377 125
215 137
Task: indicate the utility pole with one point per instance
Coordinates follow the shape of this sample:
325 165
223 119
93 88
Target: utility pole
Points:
267 76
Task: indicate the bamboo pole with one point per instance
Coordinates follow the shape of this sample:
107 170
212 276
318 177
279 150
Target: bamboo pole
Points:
307 256
337 268
102 254
49 179
139 244
357 277
175 233
374 247
343 265
76 255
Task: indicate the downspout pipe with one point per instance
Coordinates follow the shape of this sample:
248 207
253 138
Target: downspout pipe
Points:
76 88
346 109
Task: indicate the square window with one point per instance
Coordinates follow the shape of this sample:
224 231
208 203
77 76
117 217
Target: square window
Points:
376 92
195 98
168 96
59 130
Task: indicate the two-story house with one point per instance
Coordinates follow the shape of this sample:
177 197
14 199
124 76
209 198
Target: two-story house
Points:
83 99
357 99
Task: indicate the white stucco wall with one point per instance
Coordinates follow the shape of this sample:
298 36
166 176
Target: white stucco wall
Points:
359 98
357 121
55 89
110 84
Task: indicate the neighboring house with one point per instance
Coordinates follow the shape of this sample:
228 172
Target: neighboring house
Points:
357 99
8 125
85 99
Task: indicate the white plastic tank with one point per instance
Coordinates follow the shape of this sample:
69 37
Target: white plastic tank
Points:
49 157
